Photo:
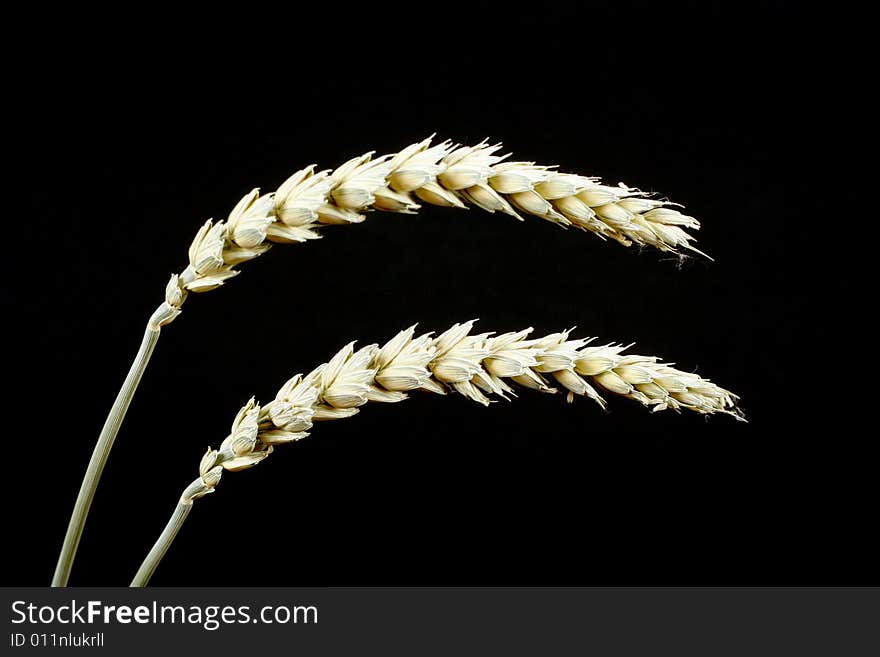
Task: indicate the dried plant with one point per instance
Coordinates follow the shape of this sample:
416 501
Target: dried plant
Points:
443 174
476 366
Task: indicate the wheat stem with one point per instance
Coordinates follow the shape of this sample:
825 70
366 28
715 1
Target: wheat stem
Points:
145 572
102 449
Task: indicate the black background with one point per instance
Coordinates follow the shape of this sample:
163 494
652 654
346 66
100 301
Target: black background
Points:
124 145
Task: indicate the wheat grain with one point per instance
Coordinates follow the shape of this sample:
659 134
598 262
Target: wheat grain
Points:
476 366
443 174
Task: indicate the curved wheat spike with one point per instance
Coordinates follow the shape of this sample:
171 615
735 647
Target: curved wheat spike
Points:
477 366
443 174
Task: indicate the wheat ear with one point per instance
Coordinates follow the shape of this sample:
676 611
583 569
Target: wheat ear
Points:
443 174
476 366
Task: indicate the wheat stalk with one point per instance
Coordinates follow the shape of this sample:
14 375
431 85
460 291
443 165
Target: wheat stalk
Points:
476 366
443 174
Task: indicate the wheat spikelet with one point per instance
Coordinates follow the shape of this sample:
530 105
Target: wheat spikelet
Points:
443 174
477 366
